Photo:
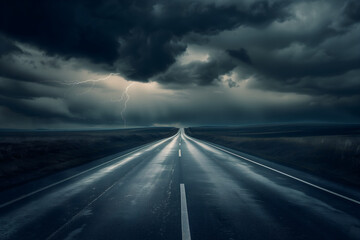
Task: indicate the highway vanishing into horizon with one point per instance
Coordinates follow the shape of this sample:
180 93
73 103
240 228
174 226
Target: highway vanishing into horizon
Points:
180 188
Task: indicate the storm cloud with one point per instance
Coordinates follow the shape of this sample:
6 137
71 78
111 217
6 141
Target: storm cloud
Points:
142 38
274 60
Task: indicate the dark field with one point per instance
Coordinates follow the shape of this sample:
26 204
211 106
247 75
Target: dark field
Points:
29 155
331 151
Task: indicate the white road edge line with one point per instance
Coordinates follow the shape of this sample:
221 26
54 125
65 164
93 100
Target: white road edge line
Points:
80 173
285 174
179 152
185 228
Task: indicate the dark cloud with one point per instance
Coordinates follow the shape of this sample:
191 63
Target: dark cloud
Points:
240 54
139 37
290 71
352 12
11 69
26 90
288 60
31 109
146 55
7 46
197 72
312 52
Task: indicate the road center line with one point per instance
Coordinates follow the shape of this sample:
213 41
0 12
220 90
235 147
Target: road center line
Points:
282 173
179 152
184 215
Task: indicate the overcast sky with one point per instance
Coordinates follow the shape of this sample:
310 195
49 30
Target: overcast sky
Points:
184 62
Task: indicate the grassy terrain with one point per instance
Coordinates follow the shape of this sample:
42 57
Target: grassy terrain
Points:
331 151
26 155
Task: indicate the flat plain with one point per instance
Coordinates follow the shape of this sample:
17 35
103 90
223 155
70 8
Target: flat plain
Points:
28 155
329 151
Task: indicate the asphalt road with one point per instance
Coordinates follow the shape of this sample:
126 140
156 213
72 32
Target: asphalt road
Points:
180 188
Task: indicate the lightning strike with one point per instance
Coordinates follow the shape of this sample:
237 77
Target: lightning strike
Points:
93 80
125 97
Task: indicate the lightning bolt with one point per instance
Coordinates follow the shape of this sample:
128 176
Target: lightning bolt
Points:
93 81
125 97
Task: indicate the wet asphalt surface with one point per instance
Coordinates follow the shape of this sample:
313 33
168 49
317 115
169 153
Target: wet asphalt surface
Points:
137 196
